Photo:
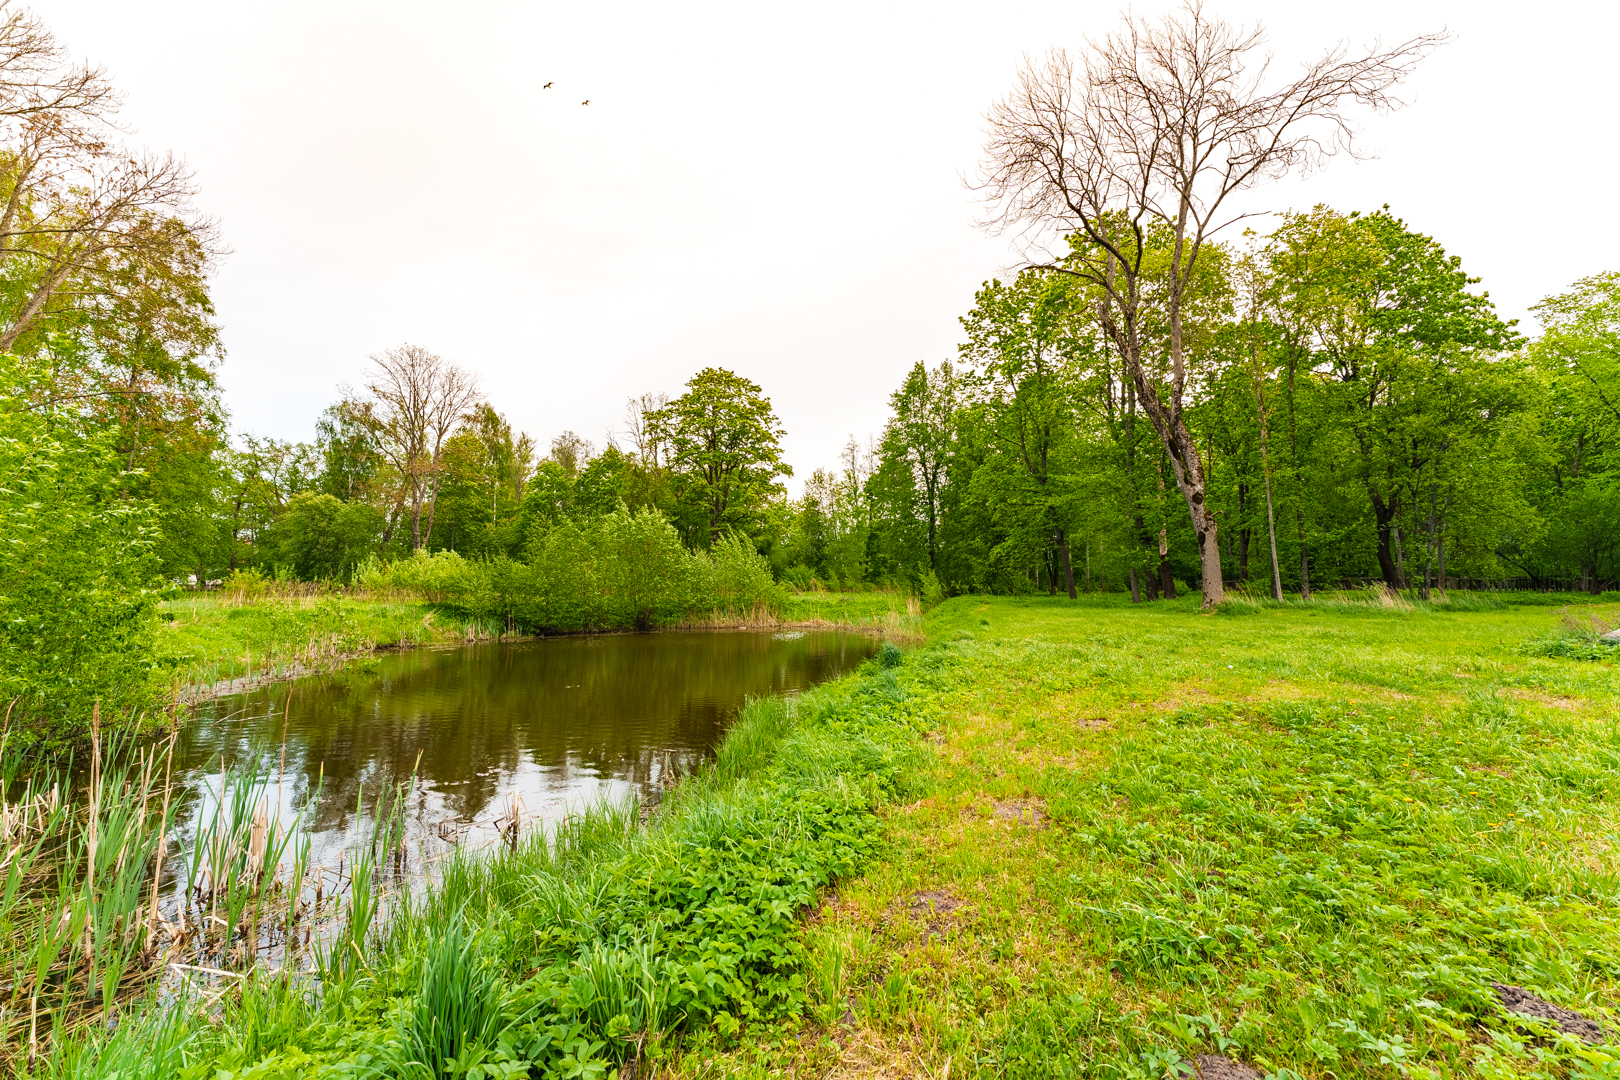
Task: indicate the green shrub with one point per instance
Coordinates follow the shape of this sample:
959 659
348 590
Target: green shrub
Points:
1571 645
77 579
321 538
933 593
624 570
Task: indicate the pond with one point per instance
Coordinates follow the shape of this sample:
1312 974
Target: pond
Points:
480 735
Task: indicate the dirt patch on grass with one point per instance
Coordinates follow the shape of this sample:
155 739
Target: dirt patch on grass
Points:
1521 1002
1093 723
1218 1067
931 902
1551 701
866 1055
933 908
1030 812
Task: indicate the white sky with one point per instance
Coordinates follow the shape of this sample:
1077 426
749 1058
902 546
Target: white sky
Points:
770 188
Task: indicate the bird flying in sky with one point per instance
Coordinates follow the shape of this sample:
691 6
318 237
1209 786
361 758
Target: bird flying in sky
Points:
587 101
546 87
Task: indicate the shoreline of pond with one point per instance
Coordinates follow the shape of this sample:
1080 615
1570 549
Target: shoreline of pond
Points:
196 693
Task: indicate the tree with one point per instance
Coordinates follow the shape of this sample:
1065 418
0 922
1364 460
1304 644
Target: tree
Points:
724 443
350 461
918 438
1389 323
1162 123
321 538
81 216
416 401
1577 484
1019 374
572 452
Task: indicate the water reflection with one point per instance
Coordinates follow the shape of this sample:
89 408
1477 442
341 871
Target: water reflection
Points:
554 722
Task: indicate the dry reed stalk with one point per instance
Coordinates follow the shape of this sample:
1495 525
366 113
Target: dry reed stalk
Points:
95 798
163 839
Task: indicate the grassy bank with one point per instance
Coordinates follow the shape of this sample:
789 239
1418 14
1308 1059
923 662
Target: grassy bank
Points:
896 613
216 642
1307 838
568 956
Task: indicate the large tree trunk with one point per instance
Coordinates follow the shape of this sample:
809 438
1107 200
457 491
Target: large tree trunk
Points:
1384 516
1189 469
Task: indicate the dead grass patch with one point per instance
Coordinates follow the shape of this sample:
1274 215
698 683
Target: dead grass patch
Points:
1538 697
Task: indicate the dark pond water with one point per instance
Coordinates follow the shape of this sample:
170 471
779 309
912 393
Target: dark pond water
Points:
543 726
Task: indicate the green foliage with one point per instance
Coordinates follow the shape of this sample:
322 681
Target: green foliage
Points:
458 1010
724 448
624 570
932 592
321 537
77 564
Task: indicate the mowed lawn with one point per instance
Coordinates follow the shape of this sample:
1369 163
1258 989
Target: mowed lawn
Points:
1306 839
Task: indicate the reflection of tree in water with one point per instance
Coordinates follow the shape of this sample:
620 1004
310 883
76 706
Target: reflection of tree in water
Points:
566 708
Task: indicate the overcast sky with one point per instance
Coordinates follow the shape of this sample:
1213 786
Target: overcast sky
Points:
771 188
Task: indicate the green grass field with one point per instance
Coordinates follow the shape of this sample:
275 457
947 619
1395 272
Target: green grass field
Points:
1307 838
894 611
213 638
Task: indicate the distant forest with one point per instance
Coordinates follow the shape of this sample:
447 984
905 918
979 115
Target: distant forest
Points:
1354 395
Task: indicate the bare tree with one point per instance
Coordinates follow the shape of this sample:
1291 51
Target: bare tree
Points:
642 431
416 400
77 209
1142 141
572 452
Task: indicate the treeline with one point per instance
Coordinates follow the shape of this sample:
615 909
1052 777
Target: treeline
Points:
1360 411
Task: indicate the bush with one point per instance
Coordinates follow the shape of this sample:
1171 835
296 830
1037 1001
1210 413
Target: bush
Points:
624 570
77 574
933 593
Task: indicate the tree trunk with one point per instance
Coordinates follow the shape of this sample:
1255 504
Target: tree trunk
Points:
1384 516
1149 581
1271 536
433 505
1299 487
1189 469
1136 593
1400 558
1167 581
1068 569
1440 557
